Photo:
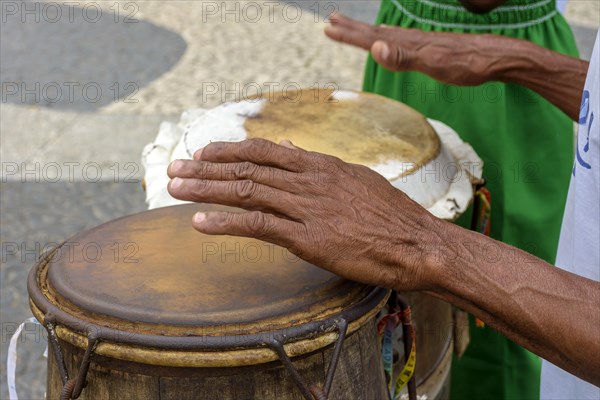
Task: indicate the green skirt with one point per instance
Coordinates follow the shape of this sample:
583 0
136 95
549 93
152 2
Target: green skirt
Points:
526 145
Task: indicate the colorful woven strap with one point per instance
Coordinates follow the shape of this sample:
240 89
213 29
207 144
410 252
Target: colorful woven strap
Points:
385 329
483 223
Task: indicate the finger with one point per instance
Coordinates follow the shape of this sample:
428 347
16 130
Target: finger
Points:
253 224
393 58
358 36
350 31
269 176
244 194
257 151
337 18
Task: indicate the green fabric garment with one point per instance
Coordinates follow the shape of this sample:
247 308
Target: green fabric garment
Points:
526 145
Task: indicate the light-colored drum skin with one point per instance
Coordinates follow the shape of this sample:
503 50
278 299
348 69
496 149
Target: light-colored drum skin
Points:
425 159
181 315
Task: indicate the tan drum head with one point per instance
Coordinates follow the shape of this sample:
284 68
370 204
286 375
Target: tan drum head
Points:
425 159
153 273
360 128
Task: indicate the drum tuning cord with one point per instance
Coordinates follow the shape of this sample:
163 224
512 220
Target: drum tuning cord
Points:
409 343
481 217
317 393
398 313
67 390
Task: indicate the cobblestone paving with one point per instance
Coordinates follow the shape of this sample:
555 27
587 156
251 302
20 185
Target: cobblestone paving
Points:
35 215
584 13
80 58
234 51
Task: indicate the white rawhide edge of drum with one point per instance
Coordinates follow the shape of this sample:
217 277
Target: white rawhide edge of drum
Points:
466 165
442 186
196 129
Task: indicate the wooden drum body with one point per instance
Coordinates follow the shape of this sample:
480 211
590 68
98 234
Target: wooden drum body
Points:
154 310
358 376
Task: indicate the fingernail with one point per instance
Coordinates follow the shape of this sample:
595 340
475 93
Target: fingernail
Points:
385 51
332 30
199 217
198 153
176 165
176 182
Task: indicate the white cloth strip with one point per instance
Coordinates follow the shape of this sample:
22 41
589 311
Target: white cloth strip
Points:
11 361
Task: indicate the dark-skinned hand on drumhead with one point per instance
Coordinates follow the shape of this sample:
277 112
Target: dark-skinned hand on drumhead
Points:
343 217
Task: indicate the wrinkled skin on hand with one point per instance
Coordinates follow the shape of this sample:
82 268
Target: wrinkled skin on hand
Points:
343 217
460 59
351 221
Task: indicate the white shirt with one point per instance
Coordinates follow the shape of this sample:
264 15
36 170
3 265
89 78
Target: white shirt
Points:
579 245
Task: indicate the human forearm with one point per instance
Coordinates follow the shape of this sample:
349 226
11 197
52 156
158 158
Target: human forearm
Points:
551 312
556 77
349 220
469 59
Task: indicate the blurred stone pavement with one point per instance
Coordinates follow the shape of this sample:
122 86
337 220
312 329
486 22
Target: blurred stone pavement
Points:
85 85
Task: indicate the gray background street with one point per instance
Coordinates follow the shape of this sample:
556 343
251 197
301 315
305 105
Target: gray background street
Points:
98 80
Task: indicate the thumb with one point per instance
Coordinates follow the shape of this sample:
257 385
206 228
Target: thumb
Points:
393 58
